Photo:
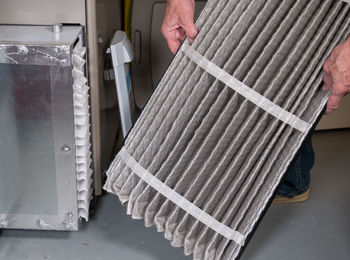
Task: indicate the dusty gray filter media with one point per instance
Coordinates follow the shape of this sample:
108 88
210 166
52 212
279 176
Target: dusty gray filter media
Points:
211 145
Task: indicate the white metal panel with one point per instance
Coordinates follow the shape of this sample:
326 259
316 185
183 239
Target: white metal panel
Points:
42 12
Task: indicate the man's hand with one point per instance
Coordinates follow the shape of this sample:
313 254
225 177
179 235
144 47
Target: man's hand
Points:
178 23
337 75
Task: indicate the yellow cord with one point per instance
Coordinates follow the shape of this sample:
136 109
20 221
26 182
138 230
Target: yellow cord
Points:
127 17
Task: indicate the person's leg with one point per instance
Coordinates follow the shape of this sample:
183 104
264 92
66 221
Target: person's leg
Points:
297 179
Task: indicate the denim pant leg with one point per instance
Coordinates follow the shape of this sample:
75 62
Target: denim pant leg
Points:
297 179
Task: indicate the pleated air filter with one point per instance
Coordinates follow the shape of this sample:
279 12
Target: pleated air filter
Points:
82 133
205 158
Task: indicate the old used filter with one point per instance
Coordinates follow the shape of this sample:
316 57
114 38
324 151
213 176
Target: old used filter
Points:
204 159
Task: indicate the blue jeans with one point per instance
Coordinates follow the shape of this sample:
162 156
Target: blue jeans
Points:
297 179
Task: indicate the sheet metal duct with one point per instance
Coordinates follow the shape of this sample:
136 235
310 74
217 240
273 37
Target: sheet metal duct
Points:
44 110
211 158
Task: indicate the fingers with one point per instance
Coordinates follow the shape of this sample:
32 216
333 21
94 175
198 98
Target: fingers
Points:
339 90
333 102
180 34
335 76
173 38
327 79
327 65
173 45
191 31
177 35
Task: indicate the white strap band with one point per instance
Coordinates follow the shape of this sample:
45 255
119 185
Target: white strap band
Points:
244 90
179 200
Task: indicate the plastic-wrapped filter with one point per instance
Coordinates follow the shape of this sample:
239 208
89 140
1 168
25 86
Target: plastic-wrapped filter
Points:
204 159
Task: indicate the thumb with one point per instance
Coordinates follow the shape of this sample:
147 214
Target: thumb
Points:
191 31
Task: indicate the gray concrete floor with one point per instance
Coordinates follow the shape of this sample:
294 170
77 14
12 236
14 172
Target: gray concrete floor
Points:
316 229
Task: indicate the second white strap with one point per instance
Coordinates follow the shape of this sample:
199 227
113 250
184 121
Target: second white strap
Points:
179 200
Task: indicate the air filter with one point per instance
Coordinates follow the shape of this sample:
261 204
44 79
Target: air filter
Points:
204 159
82 132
